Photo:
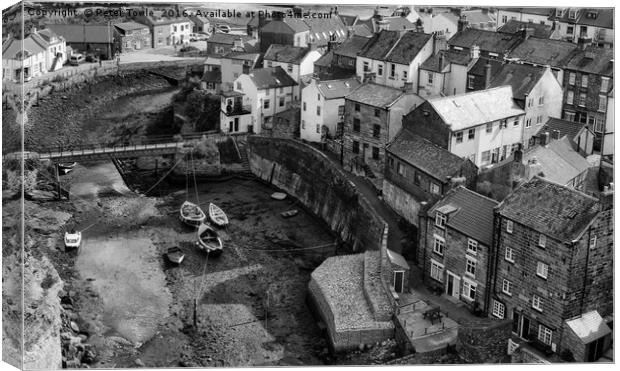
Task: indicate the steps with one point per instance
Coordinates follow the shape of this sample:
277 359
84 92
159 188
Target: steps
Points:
368 171
240 144
54 63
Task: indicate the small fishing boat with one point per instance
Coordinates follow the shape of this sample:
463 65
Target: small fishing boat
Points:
217 215
175 255
289 213
208 240
73 239
65 167
191 214
278 196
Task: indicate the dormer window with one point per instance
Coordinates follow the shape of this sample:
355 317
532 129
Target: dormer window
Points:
572 14
440 220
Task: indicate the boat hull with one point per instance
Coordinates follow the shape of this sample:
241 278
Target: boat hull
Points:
209 241
191 214
217 216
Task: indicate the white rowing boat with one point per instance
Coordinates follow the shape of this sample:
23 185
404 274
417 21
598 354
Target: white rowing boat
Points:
278 196
73 239
208 240
217 215
191 214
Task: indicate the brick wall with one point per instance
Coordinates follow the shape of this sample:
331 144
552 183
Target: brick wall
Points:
425 122
365 137
402 202
600 279
484 344
406 181
136 39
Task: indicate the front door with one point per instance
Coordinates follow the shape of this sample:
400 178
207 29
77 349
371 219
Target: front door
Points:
399 277
595 349
520 325
453 285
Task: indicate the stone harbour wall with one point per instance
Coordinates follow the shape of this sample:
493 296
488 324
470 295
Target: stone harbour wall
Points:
487 343
309 176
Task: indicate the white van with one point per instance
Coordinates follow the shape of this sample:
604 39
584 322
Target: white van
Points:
76 59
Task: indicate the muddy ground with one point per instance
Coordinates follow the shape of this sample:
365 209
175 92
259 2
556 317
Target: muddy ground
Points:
137 309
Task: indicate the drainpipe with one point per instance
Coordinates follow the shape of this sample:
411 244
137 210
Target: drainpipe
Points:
585 271
492 276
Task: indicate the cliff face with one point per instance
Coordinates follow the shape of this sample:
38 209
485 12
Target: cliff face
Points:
39 284
310 177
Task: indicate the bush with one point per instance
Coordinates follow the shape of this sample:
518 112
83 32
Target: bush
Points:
188 48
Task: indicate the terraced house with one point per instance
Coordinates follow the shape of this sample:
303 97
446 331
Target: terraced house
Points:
373 117
392 58
554 275
40 52
297 61
484 126
456 239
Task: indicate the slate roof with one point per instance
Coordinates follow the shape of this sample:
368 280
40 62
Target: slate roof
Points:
489 41
348 20
212 76
325 60
45 36
530 10
569 129
226 38
273 77
375 95
421 153
521 77
592 60
449 56
11 47
476 108
513 26
362 30
589 326
332 89
479 67
604 17
351 46
398 23
84 33
296 24
543 51
160 20
473 214
130 26
286 53
558 161
550 208
321 29
390 46
477 16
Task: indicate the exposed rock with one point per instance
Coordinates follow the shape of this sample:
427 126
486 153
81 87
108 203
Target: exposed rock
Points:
74 326
139 363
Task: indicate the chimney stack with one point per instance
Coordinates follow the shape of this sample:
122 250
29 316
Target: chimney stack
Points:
442 61
583 43
462 23
544 138
555 134
526 32
487 74
474 52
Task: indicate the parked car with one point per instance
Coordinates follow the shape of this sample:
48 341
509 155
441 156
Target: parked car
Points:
223 28
197 37
76 59
92 58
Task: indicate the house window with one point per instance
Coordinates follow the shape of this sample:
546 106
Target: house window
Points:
375 153
604 84
376 130
545 334
509 226
318 97
356 147
430 78
340 110
416 178
498 309
440 220
318 129
303 124
436 271
434 188
269 64
439 244
584 81
516 122
304 105
356 125
490 127
571 78
539 119
357 107
570 30
266 104
459 136
503 124
318 111
392 70
542 270
471 134
405 75
289 68
541 100
582 99
537 303
380 70
472 246
366 67
602 103
507 287
469 289
470 268
281 103
528 122
400 169
509 255
569 97
592 242
542 240
485 157
470 81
